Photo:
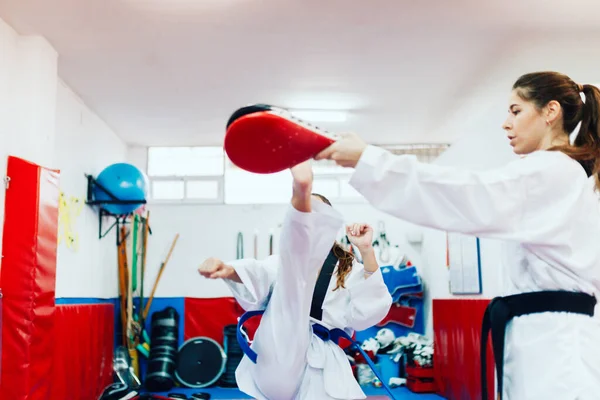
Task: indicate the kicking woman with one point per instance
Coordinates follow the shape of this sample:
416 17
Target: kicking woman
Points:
544 207
294 360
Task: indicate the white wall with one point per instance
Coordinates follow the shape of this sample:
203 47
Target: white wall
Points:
27 100
43 121
84 144
211 230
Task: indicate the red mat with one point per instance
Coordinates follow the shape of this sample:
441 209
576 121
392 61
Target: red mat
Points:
457 334
83 351
28 278
208 317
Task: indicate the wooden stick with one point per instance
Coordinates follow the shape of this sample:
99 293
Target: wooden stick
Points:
143 272
160 271
122 257
131 276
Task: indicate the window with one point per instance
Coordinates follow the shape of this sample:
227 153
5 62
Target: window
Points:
202 190
168 190
186 174
424 152
206 175
327 167
243 187
186 161
328 187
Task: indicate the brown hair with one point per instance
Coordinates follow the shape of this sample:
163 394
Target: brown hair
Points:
345 257
542 87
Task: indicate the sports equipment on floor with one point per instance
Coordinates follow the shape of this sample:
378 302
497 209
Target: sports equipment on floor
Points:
118 391
234 356
200 362
160 375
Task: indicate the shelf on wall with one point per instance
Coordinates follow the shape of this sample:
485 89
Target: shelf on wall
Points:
120 219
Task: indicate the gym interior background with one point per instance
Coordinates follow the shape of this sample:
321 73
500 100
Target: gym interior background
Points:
84 85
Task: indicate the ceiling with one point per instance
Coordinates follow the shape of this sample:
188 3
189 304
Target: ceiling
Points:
170 72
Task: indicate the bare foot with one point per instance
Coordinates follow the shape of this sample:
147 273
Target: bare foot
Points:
301 193
302 174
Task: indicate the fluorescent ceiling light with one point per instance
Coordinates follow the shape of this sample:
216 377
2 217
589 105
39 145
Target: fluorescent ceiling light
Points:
321 115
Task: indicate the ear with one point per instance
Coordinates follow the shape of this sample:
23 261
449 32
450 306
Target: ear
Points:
552 111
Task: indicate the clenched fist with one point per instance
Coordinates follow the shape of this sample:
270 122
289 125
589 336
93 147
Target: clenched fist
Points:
213 268
360 235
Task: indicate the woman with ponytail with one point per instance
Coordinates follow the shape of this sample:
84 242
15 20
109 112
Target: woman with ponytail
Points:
558 93
545 331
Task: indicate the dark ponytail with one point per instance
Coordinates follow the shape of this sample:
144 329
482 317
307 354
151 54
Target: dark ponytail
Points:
587 144
543 87
346 258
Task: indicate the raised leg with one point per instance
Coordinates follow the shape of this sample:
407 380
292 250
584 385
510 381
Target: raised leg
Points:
284 335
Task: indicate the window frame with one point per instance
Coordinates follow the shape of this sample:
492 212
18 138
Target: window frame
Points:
340 177
185 179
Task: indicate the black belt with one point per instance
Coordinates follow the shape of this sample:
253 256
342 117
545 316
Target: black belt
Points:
325 275
502 309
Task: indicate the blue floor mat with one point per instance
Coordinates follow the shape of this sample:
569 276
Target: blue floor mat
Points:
234 394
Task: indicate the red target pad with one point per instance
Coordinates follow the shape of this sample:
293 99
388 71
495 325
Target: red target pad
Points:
264 139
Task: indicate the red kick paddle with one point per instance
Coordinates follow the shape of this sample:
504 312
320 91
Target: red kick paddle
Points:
266 139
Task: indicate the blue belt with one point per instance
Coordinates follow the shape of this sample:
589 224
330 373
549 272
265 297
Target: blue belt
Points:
325 334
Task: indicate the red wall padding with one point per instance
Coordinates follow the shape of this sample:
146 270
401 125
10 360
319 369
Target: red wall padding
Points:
208 317
27 279
83 351
457 333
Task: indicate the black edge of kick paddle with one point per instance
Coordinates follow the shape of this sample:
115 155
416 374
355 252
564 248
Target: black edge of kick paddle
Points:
240 112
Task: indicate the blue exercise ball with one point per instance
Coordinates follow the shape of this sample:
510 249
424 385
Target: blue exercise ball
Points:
125 182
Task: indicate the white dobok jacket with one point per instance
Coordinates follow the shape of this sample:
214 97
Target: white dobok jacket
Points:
542 207
306 239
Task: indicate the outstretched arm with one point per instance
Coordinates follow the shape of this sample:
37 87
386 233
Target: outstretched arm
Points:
515 202
251 281
213 268
487 203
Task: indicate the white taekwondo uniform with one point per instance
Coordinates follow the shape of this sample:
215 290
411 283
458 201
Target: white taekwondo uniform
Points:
542 206
293 362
